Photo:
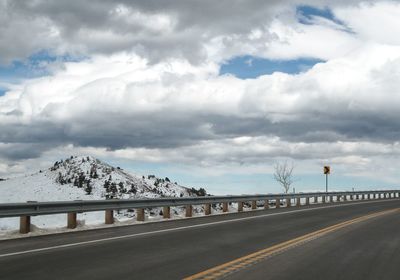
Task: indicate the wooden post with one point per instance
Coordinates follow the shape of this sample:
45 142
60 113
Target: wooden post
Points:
189 210
71 221
166 212
288 204
254 205
315 199
24 224
331 198
140 215
298 202
266 204
109 217
307 200
240 206
278 203
324 199
225 207
207 210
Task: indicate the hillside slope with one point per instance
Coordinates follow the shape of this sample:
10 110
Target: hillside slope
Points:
85 178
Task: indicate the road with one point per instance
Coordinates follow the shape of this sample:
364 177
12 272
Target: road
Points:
367 248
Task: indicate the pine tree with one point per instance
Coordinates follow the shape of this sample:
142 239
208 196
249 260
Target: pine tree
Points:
89 187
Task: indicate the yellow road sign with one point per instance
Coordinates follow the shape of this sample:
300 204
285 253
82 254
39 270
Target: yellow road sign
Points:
327 170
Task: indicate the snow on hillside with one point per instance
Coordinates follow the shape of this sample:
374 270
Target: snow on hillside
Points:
85 178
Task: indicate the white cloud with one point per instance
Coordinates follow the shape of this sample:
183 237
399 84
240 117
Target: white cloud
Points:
151 89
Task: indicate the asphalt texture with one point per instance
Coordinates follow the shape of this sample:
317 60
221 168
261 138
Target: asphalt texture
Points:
180 248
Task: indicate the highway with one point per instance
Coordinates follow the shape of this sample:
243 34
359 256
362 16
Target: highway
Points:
351 240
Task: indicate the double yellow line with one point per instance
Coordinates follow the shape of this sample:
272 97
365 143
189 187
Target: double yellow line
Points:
243 262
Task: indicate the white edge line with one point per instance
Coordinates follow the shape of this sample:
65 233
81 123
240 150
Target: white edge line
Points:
180 228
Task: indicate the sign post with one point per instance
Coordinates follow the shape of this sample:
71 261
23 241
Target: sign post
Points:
327 171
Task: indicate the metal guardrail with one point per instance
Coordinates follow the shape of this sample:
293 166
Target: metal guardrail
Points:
57 207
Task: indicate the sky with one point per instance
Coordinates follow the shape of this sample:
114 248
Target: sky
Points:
211 94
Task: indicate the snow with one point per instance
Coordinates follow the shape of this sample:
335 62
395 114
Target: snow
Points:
85 178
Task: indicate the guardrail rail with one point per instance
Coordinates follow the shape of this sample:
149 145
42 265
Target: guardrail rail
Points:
71 208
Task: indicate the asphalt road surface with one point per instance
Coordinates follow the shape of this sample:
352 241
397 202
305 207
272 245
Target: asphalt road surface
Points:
363 246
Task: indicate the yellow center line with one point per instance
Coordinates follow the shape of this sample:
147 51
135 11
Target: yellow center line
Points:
242 262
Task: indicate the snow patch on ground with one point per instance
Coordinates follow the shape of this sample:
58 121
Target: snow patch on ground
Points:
86 178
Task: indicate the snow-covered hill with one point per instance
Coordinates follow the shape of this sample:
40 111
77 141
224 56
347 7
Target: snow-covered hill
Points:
85 178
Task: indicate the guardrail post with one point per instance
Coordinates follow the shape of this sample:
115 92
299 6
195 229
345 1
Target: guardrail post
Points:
225 207
298 202
324 199
278 203
189 210
140 215
307 200
24 224
207 209
351 197
288 202
345 197
254 205
109 217
331 198
266 204
240 206
166 212
71 221
315 199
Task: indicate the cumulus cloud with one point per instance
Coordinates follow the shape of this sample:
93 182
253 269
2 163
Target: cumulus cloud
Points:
150 87
195 30
170 105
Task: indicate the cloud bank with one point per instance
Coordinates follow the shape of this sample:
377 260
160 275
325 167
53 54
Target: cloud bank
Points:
149 84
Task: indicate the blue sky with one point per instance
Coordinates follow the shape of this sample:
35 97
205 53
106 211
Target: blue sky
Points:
308 11
36 65
245 67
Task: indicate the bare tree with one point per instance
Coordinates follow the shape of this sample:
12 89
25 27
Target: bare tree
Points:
284 175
